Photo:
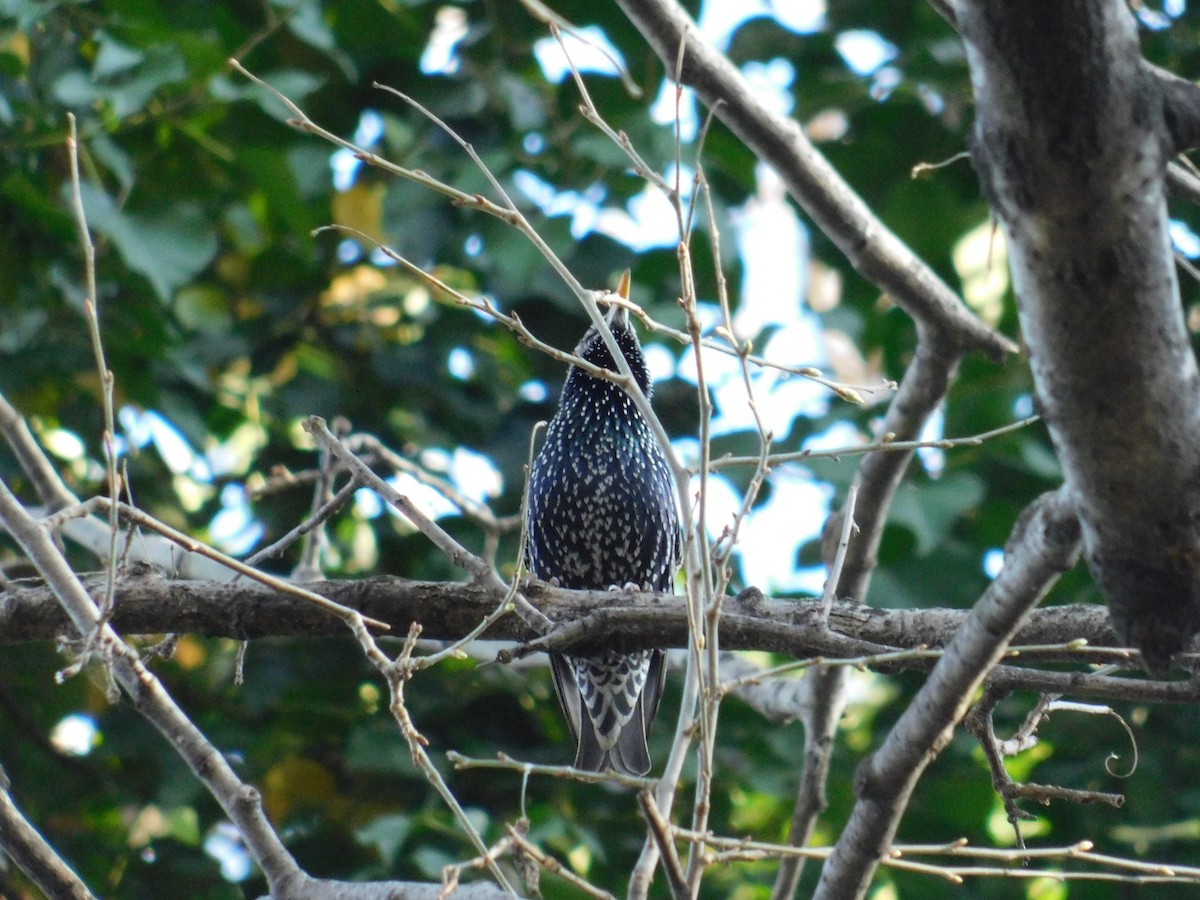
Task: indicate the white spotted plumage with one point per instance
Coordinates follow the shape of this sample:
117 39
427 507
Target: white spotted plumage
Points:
602 513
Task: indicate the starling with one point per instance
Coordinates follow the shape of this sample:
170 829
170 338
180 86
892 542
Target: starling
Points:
602 514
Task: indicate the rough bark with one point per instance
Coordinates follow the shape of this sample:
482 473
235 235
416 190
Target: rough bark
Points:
148 604
33 855
1072 141
1044 543
874 251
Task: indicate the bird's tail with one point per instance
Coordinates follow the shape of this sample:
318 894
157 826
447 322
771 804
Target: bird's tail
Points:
610 702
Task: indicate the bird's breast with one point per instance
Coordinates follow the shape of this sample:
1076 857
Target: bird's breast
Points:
602 506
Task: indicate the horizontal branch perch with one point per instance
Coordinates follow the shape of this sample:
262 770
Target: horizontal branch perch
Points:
147 603
150 604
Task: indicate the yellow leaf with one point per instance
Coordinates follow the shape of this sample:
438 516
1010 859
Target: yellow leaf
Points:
361 208
296 782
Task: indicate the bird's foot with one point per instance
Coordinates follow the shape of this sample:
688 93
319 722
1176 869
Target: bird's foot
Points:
628 586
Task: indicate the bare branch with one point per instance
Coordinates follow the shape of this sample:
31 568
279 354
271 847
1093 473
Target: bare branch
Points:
241 802
91 314
22 843
871 248
1044 543
89 531
1071 143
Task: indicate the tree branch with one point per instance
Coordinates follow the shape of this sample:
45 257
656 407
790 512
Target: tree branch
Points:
1071 143
876 253
148 604
1045 542
240 802
22 844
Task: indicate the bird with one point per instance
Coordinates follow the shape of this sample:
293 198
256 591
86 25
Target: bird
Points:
602 514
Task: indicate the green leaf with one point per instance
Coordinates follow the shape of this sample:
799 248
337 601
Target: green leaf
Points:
169 250
929 510
295 84
376 747
114 57
386 834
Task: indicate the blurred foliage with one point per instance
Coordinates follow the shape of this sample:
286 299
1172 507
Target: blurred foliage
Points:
225 315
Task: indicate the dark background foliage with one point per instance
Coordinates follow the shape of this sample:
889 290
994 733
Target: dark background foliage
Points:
225 315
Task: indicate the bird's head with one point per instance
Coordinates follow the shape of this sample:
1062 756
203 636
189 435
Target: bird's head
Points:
594 350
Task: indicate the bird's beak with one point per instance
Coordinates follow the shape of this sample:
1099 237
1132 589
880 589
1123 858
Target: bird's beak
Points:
618 316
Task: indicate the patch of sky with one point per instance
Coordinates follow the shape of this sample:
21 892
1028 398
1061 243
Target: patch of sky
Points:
534 143
799 16
348 251
771 536
670 105
933 101
864 51
993 562
772 83
143 427
792 515
343 163
1184 239
485 316
687 450
660 362
835 437
75 735
774 248
933 458
721 504
885 81
460 363
719 20
381 258
589 50
440 56
367 504
534 391
224 844
429 501
473 475
1153 19
772 80
646 222
234 529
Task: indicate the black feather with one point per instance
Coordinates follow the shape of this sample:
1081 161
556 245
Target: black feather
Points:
602 513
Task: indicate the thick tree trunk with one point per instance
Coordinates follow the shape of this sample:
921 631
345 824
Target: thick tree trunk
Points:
1072 139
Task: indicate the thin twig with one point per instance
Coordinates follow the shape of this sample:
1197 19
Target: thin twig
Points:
883 444
319 516
396 673
132 514
835 571
92 317
554 867
660 832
